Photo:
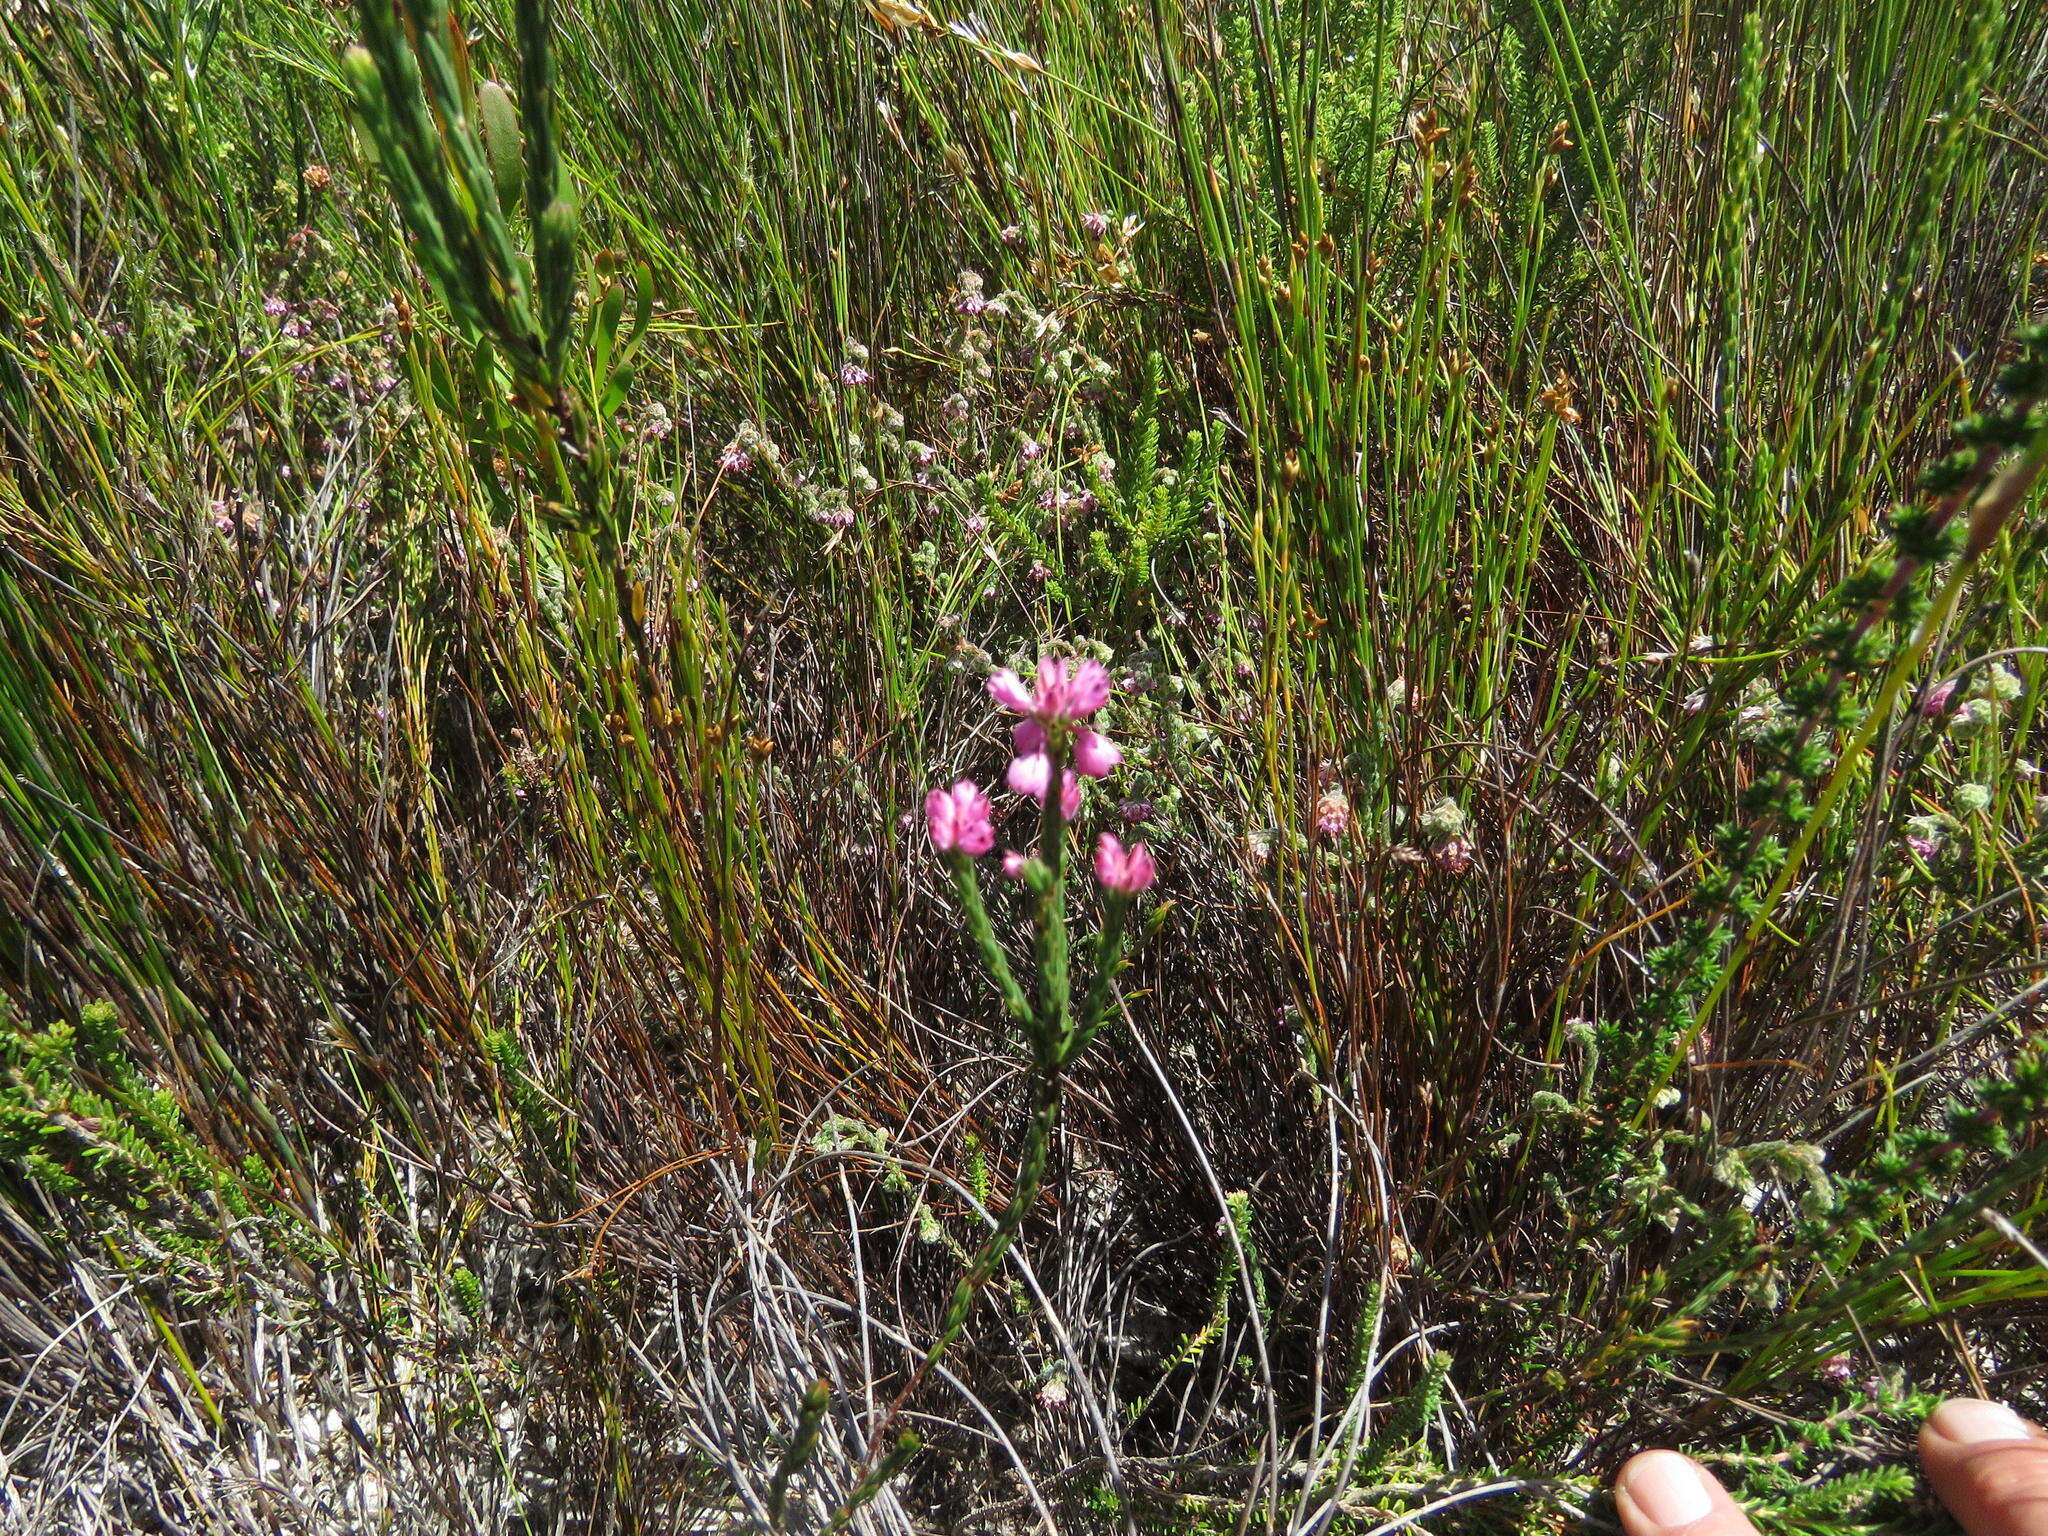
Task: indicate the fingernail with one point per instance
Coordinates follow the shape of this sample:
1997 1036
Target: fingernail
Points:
1669 1489
1971 1420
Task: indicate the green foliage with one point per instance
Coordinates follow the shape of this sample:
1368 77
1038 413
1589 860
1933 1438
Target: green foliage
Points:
469 1291
1148 509
1814 1475
539 1113
1406 1424
78 1118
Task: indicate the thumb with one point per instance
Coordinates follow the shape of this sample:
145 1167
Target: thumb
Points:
1989 1465
1661 1493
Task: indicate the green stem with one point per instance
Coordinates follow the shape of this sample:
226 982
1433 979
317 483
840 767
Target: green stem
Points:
1109 957
968 885
1055 1034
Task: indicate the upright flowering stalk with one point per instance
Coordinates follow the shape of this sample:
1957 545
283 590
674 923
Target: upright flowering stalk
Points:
1055 751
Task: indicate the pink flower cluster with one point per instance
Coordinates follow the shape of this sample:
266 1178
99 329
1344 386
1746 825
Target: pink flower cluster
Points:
1125 871
1333 813
1064 697
961 819
1056 701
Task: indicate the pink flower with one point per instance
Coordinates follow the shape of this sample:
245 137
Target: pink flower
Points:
853 376
959 820
1925 847
1935 701
1454 857
1333 813
1014 864
1096 222
1029 775
1062 694
1126 871
1095 754
735 460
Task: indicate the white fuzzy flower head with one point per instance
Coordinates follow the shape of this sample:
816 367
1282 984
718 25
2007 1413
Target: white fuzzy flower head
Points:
2003 684
1975 718
1444 821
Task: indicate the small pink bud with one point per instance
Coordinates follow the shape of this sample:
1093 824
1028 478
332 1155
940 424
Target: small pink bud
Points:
1014 864
959 819
1126 871
1935 702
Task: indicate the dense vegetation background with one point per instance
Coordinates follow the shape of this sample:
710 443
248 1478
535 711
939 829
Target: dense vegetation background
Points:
493 560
